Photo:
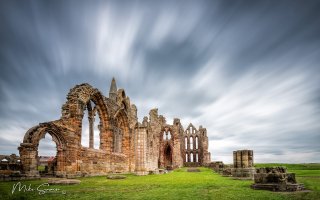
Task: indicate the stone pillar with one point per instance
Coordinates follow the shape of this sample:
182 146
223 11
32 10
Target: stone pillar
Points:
60 161
140 151
28 158
60 172
91 131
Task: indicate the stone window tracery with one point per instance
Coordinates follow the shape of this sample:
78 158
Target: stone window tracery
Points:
191 157
167 135
191 142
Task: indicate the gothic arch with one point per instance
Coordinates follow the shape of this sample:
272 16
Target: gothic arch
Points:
122 122
36 133
77 99
29 148
167 129
73 111
168 155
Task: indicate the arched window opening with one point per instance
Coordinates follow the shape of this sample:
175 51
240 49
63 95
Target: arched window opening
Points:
169 135
191 142
166 135
197 142
85 129
191 157
186 142
186 157
91 126
97 130
47 156
197 157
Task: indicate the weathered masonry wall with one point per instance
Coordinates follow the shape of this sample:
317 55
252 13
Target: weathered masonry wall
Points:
124 144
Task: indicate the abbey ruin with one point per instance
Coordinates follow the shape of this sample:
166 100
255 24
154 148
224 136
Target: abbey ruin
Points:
126 145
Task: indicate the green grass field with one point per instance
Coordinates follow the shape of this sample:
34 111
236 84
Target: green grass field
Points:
175 185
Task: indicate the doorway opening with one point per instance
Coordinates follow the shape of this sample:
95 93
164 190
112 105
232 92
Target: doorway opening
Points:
47 156
168 158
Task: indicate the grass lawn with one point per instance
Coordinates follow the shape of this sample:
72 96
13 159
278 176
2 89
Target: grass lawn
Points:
175 185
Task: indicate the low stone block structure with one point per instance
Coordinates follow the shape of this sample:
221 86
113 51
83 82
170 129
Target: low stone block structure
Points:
193 169
243 164
116 176
275 179
217 166
64 182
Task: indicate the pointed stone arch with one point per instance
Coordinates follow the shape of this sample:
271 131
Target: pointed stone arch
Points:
29 148
122 122
73 112
168 156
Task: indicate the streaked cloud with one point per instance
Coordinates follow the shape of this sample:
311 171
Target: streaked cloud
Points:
246 70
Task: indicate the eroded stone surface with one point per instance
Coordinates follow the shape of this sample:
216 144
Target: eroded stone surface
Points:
275 179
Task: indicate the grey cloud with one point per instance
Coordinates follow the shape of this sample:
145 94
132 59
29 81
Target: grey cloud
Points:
246 70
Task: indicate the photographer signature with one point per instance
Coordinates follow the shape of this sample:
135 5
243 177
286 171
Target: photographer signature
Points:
41 189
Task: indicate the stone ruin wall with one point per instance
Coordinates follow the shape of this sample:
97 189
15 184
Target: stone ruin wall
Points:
72 158
195 146
141 144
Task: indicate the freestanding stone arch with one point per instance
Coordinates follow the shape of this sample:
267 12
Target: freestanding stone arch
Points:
29 148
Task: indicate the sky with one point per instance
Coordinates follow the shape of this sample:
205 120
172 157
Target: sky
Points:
248 71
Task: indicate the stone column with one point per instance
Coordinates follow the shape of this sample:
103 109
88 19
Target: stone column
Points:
60 172
60 162
91 131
